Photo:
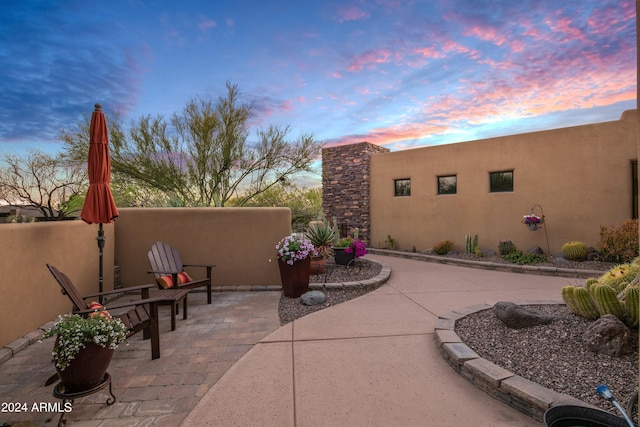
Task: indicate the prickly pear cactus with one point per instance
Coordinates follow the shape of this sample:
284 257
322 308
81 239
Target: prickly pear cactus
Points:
607 301
575 251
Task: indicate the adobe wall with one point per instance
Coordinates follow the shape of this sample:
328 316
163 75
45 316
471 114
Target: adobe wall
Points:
239 241
580 176
345 185
30 295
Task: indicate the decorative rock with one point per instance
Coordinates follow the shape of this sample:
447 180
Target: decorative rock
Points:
608 335
517 317
487 253
561 262
312 298
535 250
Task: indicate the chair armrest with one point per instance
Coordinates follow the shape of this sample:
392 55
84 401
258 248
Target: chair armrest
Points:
134 303
199 265
119 291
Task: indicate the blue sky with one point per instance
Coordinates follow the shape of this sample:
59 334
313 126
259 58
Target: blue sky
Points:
401 74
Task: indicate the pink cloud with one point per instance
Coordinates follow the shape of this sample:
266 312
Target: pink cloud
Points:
352 13
207 24
369 58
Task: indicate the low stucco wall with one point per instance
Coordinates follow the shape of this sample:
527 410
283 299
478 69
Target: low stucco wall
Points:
29 295
581 176
238 241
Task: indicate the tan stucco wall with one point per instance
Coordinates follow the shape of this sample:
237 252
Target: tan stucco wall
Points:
29 295
239 241
581 176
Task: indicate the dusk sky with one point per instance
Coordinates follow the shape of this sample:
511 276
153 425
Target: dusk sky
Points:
401 74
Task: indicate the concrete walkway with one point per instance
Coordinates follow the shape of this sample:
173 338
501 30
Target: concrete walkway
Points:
372 361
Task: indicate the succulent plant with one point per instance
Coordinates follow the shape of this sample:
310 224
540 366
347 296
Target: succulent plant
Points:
632 305
575 251
585 305
506 247
607 301
323 235
619 276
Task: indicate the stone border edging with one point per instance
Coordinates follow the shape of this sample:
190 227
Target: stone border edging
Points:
526 396
11 349
512 268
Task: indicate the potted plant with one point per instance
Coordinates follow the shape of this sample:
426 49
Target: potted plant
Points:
84 347
322 235
294 261
533 221
347 249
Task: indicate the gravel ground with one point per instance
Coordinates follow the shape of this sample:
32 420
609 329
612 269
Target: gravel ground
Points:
550 355
553 355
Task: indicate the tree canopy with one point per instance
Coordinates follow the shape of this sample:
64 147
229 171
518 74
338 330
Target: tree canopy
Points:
203 155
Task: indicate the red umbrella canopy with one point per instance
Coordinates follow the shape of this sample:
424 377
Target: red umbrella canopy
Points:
99 206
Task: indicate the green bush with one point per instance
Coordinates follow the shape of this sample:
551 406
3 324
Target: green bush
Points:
444 247
520 258
619 243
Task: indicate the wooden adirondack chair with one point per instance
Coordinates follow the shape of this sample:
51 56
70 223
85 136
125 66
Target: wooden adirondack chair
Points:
143 315
166 264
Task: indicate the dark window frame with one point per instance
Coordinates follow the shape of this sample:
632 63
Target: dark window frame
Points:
402 187
447 188
499 183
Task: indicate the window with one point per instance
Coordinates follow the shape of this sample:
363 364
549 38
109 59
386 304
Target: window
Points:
448 184
500 182
402 187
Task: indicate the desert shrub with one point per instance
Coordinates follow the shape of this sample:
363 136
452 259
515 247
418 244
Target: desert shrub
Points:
619 243
444 247
520 258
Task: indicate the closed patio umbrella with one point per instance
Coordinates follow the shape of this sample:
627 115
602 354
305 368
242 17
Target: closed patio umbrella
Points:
99 206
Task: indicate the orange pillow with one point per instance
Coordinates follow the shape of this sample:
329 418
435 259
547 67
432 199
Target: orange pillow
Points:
184 278
165 282
98 310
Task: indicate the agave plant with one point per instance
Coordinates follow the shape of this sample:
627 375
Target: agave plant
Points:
322 235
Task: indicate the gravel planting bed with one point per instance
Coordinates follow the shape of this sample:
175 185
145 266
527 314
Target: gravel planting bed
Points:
550 355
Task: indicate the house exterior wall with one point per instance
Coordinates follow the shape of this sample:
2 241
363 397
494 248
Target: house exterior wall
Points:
580 176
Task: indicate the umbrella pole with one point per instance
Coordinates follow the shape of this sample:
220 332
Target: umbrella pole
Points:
100 240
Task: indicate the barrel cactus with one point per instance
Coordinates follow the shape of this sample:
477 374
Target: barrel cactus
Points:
619 276
575 251
506 247
607 301
584 303
632 305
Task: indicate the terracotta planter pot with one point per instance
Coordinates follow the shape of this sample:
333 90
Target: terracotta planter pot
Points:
295 278
343 258
87 369
318 265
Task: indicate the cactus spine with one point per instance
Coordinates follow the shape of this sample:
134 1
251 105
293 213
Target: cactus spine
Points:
607 301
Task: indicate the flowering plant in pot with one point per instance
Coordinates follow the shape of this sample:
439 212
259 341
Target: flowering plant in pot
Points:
84 347
348 249
532 221
294 261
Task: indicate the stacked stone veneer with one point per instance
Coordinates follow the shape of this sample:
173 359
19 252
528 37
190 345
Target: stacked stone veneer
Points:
345 185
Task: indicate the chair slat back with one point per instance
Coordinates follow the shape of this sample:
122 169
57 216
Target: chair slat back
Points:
164 259
68 289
